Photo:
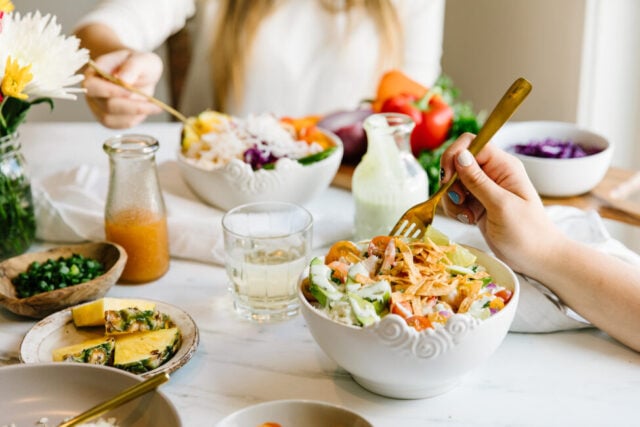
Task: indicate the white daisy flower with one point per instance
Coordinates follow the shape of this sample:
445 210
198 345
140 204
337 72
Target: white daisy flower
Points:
37 40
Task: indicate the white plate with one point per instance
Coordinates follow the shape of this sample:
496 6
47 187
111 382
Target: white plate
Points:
306 413
57 330
61 390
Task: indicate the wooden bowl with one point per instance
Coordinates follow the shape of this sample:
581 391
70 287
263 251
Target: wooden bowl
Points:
112 256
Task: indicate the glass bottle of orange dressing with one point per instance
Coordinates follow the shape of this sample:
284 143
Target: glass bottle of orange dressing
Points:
135 215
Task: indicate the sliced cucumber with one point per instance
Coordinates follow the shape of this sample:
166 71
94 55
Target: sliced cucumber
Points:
364 310
377 293
320 284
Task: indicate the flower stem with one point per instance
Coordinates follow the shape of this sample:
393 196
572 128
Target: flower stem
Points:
3 122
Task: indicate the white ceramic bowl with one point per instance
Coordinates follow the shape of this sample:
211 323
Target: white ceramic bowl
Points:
61 390
306 413
236 183
558 177
394 360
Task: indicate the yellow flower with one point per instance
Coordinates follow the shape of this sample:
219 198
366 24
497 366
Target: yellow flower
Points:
6 6
15 79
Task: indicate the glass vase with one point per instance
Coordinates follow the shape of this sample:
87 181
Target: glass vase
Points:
17 218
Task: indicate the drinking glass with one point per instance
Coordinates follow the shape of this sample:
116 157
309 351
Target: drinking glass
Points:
267 246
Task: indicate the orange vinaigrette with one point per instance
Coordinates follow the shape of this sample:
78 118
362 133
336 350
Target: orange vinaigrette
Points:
143 234
135 215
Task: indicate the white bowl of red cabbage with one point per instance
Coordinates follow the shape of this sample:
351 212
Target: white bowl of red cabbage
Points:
562 159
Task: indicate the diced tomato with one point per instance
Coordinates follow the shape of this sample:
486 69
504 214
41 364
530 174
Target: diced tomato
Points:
402 309
419 322
496 304
378 245
342 249
340 270
504 294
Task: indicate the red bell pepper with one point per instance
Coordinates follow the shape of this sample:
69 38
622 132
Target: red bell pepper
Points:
433 117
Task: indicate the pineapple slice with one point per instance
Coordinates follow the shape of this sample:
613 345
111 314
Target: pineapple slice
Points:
144 351
97 351
129 320
93 313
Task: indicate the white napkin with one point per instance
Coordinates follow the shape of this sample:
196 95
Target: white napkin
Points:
70 208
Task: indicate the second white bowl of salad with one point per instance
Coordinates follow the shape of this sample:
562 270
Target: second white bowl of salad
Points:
409 319
229 161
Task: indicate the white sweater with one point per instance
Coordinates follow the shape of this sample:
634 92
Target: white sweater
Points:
302 62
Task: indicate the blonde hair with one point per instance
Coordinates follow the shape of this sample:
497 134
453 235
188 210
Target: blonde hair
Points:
238 23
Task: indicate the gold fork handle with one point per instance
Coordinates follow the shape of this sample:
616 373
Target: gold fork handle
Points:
503 110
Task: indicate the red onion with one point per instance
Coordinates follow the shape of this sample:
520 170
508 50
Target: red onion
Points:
348 126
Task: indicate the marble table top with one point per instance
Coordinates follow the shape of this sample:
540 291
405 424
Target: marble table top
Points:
570 378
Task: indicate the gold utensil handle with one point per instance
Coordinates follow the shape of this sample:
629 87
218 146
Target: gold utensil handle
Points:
117 81
119 399
503 110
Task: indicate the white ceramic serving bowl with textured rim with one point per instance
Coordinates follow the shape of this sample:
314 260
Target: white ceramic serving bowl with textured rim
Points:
307 413
57 391
236 183
558 177
394 360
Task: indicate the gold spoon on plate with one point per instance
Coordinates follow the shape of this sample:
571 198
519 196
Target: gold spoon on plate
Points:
121 398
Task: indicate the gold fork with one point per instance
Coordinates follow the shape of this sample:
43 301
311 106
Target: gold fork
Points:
415 221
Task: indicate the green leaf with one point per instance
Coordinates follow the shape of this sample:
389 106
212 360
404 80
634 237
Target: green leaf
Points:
317 156
464 120
14 112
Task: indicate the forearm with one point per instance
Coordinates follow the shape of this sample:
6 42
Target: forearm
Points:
603 289
99 39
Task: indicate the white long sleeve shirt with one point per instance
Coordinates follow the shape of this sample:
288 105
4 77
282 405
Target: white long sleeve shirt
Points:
304 59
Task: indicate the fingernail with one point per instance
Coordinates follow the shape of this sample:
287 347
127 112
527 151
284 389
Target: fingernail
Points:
465 158
441 174
463 218
455 197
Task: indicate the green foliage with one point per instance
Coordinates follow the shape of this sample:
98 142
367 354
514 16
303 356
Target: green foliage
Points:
17 219
14 111
464 120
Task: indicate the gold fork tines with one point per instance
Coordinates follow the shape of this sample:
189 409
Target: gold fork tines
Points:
414 222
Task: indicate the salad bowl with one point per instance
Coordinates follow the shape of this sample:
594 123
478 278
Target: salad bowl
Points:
395 360
237 182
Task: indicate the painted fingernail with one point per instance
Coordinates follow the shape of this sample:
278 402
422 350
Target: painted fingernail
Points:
465 158
455 197
441 174
463 218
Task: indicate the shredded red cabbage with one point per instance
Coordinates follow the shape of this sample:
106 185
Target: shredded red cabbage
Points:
554 149
258 158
